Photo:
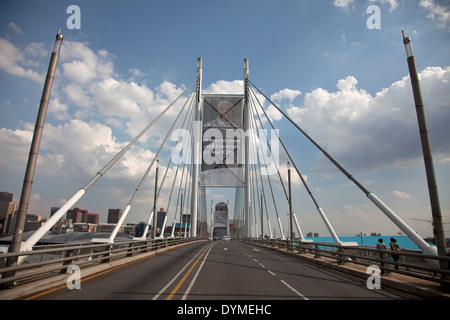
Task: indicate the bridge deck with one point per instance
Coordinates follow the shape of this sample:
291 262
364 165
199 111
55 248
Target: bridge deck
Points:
224 270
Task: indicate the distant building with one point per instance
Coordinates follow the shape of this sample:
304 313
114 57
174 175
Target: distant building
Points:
53 210
6 197
33 222
7 213
220 221
139 229
114 215
76 214
84 227
108 227
130 229
161 215
92 218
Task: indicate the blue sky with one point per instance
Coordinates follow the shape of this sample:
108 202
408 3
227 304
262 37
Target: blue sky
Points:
344 83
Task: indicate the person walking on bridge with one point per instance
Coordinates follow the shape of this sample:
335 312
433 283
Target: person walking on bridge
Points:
381 246
395 247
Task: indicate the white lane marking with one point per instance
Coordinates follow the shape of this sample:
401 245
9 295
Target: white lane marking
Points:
226 249
176 276
271 273
293 290
188 290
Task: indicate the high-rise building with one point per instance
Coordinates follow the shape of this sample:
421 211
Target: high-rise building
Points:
161 214
6 197
114 215
220 221
92 218
7 211
76 214
53 210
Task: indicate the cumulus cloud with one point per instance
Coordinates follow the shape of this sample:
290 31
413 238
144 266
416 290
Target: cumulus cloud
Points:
392 3
15 28
369 132
72 148
285 94
438 13
400 195
343 3
14 61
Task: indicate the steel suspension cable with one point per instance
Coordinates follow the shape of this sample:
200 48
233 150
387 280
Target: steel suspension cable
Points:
274 202
288 154
144 178
38 234
337 164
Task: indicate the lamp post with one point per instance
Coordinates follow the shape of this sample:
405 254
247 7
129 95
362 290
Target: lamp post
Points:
34 149
290 207
427 155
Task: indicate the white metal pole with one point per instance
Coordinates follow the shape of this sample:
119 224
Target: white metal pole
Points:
16 242
147 226
196 151
228 220
298 227
270 228
281 229
161 235
247 208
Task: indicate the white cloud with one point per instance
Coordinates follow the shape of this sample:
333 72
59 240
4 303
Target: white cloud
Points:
400 195
392 3
58 109
73 148
366 132
285 94
343 3
81 64
438 13
222 86
15 28
12 60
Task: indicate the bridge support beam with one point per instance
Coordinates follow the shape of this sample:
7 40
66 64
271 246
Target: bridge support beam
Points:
196 152
34 149
247 196
438 225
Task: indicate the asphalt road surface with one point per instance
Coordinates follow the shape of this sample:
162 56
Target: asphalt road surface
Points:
221 270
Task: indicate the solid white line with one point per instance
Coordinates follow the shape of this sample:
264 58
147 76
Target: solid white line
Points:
188 290
176 276
293 290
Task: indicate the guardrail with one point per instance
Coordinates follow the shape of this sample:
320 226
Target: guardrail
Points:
50 260
411 262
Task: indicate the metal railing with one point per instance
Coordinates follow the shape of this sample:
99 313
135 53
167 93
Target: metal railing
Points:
51 260
410 262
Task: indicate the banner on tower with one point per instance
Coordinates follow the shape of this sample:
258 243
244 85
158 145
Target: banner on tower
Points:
222 141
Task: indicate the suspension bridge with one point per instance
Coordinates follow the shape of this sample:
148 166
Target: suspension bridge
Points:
217 141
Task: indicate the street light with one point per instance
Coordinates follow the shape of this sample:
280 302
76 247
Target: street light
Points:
438 228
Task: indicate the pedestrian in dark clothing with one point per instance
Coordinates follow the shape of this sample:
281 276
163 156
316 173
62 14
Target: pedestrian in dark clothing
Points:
395 247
